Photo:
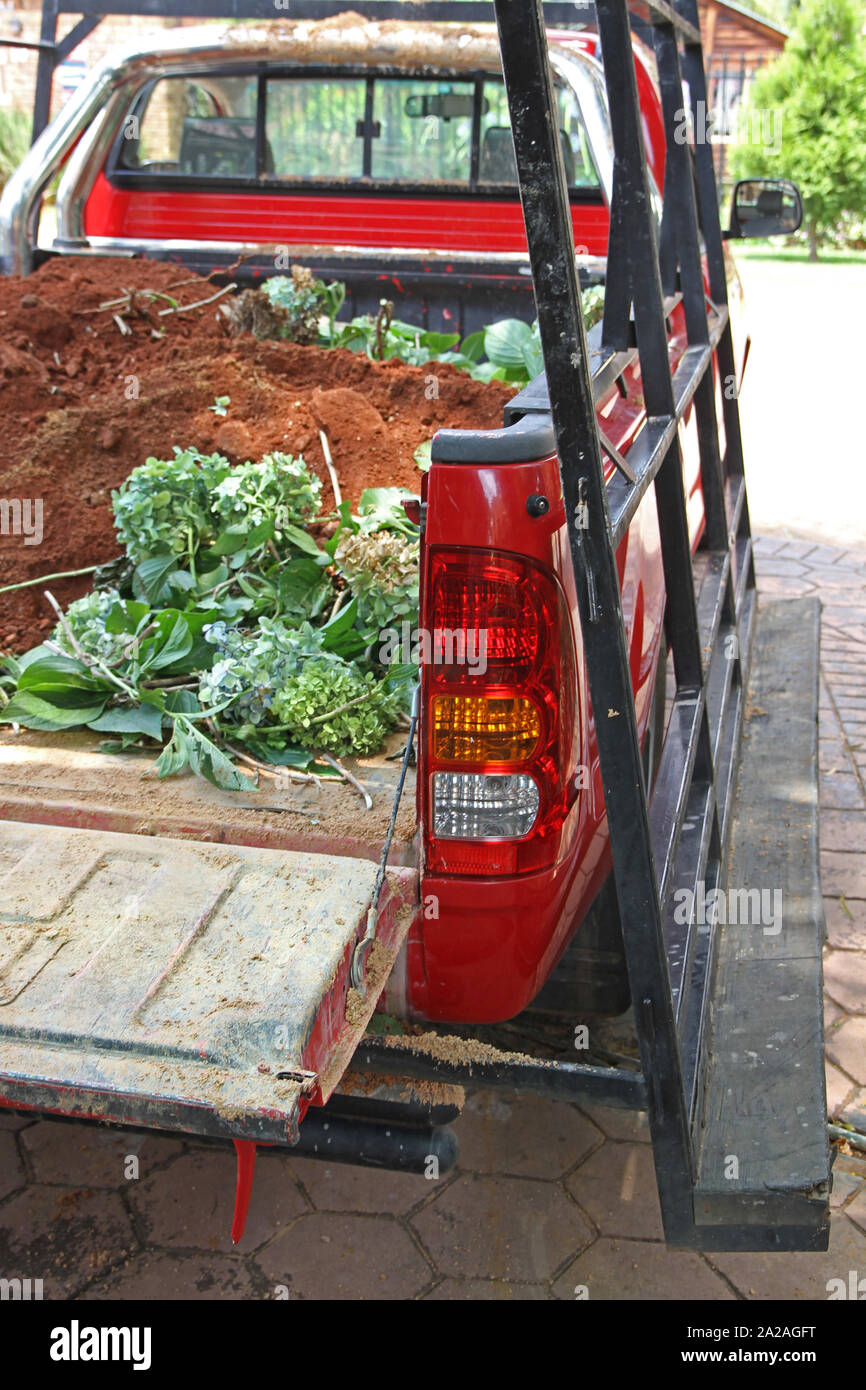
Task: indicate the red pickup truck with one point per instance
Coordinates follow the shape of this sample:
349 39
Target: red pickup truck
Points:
380 155
402 181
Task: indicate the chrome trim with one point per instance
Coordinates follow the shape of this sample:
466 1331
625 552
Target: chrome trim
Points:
107 246
581 71
22 197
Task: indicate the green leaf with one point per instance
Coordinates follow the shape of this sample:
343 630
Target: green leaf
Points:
150 579
181 702
341 622
175 755
505 342
119 745
473 346
302 541
177 646
298 758
265 531
127 617
208 761
57 671
229 543
303 588
439 342
33 712
144 719
35 654
422 455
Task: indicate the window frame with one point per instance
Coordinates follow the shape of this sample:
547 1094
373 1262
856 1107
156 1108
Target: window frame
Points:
365 185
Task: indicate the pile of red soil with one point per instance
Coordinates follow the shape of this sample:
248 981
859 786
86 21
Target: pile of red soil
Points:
83 403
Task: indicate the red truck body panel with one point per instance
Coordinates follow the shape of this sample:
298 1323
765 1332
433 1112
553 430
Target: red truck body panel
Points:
484 946
416 222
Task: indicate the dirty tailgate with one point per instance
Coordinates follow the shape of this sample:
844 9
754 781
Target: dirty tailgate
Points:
184 985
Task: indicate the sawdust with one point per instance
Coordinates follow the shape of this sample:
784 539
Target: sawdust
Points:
458 1052
349 38
62 777
408 1091
379 962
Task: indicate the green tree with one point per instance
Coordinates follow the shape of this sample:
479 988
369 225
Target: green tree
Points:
813 98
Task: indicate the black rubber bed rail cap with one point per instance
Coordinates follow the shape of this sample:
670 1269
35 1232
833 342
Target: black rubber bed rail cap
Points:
529 439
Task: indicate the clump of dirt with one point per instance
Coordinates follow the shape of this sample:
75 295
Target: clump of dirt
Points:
87 396
252 312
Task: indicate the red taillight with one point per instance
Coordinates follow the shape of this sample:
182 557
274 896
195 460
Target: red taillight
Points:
494 599
499 713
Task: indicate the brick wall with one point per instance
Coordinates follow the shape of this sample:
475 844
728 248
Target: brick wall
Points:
18 65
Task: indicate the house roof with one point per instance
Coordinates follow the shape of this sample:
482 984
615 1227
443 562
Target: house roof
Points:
757 19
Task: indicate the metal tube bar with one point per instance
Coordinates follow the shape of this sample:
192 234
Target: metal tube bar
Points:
551 250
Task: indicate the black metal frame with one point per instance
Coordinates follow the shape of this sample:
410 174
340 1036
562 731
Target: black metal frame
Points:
678 840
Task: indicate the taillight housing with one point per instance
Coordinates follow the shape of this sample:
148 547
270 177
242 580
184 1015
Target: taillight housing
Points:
498 713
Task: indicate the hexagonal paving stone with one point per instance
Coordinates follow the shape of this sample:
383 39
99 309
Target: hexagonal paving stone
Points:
857 1209
64 1236
620 1124
801 1276
515 1229
191 1202
845 979
853 1112
85 1155
847 1047
13 1120
331 1255
617 1188
845 1184
523 1135
346 1187
485 1291
159 1276
839 1087
846 930
843 874
632 1270
11 1168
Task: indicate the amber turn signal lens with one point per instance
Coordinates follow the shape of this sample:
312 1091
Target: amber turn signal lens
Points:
484 729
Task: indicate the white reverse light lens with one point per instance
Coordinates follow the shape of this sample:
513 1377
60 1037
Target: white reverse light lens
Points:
483 806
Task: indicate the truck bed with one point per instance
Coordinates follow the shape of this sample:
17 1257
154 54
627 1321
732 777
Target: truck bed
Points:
184 985
63 779
178 956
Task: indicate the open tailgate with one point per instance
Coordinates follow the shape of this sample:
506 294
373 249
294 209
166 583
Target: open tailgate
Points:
182 985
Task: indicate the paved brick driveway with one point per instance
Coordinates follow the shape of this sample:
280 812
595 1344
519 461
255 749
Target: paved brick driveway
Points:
548 1199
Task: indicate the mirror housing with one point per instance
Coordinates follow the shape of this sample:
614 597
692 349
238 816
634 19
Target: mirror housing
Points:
765 207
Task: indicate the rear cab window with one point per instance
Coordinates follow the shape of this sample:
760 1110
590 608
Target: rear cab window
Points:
336 130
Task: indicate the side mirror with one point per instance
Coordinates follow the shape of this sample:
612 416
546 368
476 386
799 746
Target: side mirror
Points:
765 207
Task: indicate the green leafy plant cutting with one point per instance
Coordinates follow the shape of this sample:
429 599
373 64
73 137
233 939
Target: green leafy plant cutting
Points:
306 309
227 627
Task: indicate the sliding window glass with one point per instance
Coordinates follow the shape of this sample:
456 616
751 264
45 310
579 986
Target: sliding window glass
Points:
422 131
202 127
496 152
314 129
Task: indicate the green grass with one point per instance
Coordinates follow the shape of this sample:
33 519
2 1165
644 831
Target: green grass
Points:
798 255
14 140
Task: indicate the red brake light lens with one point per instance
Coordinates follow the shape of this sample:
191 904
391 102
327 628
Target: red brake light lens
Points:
499 713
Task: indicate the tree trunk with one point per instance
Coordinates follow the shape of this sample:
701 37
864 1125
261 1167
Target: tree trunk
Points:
812 229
